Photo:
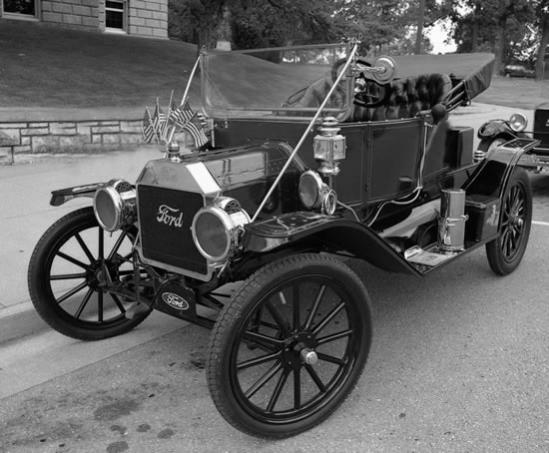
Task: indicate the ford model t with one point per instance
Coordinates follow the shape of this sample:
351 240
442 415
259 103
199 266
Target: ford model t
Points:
302 159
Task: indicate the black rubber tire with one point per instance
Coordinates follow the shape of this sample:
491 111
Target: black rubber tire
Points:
247 308
505 253
43 295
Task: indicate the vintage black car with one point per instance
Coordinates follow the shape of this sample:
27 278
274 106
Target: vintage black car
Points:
497 132
312 156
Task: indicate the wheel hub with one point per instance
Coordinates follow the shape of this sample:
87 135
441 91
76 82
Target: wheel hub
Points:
101 274
300 349
309 356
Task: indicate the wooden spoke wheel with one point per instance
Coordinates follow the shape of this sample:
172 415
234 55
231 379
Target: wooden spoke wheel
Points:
73 273
290 346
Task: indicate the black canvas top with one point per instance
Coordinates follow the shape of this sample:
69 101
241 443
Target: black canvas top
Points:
473 69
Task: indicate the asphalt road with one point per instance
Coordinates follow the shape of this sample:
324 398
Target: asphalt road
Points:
459 363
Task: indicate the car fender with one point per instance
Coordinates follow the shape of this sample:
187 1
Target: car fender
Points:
328 233
490 177
494 128
61 196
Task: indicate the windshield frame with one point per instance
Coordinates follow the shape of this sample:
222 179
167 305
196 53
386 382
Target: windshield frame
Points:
278 112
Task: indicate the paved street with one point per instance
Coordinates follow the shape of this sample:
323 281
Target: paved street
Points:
459 359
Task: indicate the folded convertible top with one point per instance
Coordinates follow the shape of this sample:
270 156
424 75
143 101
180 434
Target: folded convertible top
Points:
471 72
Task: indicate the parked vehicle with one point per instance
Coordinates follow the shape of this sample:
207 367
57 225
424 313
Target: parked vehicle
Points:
495 133
303 163
518 70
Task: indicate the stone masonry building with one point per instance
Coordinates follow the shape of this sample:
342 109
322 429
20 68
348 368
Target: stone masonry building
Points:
145 18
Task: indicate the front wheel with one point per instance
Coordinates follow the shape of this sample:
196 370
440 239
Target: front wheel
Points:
506 251
290 346
72 273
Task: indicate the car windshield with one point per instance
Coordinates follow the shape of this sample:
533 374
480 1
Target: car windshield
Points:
289 81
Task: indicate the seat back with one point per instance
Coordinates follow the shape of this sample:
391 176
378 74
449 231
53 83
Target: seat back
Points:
404 98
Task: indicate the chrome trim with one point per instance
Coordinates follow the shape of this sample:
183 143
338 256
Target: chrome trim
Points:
319 185
521 126
232 223
123 198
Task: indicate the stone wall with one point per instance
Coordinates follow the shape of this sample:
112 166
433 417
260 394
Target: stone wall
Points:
82 14
146 18
67 136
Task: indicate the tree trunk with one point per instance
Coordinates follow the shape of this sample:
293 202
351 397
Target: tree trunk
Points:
540 63
474 34
499 44
420 21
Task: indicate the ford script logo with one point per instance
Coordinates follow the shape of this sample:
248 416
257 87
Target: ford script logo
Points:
169 216
175 301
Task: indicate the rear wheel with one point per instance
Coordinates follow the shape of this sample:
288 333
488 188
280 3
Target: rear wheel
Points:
290 346
72 273
505 253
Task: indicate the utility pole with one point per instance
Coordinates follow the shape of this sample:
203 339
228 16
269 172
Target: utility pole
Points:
420 21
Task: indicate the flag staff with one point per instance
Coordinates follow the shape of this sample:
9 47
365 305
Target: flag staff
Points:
185 95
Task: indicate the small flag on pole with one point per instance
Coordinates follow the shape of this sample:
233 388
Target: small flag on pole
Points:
148 129
181 115
194 127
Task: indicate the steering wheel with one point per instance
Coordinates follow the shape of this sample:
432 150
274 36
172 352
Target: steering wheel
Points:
367 91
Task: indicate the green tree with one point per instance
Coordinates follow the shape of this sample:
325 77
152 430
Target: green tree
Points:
542 13
491 25
380 24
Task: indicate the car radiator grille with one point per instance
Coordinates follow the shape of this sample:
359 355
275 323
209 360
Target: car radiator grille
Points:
165 218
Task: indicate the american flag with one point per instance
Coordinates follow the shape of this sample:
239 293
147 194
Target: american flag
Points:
158 120
181 115
148 128
195 128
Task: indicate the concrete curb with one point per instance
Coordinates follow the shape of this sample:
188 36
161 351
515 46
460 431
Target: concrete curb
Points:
19 321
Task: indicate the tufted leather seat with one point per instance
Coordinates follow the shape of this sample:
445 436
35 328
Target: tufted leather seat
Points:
404 98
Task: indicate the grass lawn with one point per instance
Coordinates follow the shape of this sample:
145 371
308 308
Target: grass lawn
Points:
52 67
44 66
516 92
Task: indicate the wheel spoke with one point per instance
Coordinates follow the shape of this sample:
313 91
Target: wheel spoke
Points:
84 247
330 358
263 380
118 303
68 276
117 245
261 338
72 260
101 240
316 304
278 390
334 336
297 387
328 318
83 304
72 292
257 360
315 378
277 318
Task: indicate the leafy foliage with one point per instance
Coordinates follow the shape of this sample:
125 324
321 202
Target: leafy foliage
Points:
382 25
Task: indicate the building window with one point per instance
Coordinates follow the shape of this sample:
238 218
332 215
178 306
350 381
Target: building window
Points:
115 15
21 9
